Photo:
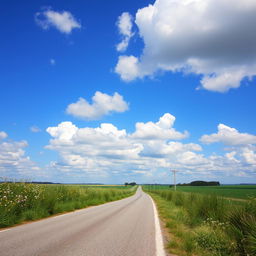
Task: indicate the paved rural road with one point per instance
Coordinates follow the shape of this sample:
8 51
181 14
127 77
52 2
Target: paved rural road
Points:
123 228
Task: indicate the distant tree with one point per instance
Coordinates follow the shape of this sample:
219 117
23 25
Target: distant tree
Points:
201 183
204 183
130 184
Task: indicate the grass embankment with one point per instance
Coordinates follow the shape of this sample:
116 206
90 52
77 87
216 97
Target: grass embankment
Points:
21 202
206 224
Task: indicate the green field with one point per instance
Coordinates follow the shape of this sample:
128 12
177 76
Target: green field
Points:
21 202
105 186
230 191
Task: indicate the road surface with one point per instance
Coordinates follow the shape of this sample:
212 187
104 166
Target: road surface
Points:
126 227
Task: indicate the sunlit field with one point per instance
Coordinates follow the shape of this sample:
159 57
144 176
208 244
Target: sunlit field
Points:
21 202
230 191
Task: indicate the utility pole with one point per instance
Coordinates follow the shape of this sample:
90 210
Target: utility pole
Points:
174 178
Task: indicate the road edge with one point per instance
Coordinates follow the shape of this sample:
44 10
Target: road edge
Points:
158 236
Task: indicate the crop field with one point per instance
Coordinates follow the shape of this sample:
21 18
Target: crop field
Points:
230 191
203 223
107 186
21 202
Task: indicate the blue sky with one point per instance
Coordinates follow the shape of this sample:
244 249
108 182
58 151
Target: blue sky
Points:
116 91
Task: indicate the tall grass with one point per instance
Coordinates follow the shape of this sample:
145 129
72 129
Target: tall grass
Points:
21 202
217 225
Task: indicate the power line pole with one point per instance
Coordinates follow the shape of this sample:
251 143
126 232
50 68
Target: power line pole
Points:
174 178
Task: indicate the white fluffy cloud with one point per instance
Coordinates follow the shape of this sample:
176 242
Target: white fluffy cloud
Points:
13 161
229 136
249 155
164 149
162 130
128 68
102 104
106 150
124 24
241 160
63 21
64 132
104 141
192 159
215 39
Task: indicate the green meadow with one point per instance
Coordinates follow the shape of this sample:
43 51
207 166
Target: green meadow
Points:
20 202
230 191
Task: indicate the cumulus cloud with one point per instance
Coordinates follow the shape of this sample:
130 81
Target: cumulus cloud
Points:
124 24
107 150
192 159
249 155
128 68
240 161
229 136
63 21
164 149
162 130
104 141
3 135
13 161
102 104
214 39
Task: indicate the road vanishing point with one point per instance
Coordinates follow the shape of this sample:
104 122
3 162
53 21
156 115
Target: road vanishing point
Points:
128 227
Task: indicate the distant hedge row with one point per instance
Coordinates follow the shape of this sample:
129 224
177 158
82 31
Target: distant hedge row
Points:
201 183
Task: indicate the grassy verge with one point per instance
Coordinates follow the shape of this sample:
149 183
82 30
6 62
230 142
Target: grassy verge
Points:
21 202
207 225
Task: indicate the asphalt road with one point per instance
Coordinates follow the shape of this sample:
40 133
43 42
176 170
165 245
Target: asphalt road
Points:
123 228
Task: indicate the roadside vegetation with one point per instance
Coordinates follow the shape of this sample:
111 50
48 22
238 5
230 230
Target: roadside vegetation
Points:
206 224
20 202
